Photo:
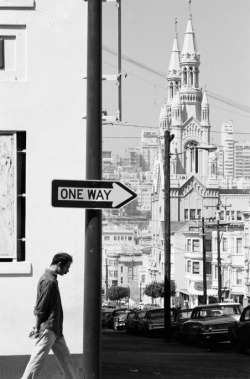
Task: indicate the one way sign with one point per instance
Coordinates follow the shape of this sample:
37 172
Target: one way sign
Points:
96 194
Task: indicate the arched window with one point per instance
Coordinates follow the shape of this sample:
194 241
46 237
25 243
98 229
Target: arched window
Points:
191 76
185 76
171 91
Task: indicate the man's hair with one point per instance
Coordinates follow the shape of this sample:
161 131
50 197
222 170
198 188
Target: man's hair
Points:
64 258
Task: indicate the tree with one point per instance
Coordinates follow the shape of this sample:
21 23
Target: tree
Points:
156 289
118 292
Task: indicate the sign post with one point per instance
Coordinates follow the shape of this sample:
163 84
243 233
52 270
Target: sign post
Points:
93 219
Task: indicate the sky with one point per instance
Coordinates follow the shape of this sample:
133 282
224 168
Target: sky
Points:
222 31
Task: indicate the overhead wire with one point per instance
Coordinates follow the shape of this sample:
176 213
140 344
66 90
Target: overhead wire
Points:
161 74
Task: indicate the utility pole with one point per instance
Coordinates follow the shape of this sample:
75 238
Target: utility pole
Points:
204 263
119 78
218 253
93 228
167 274
218 226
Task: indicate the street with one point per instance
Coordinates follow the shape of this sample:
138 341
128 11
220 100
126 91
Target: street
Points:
128 356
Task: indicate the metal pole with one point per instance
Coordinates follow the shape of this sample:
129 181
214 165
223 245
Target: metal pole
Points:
204 263
93 232
219 260
119 61
107 279
167 274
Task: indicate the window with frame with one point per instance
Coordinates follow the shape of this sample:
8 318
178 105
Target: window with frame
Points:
189 245
238 245
208 268
208 244
196 245
196 267
224 244
192 214
12 196
185 214
238 276
188 266
239 216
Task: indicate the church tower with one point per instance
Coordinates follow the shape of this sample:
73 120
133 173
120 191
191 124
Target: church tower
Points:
190 62
186 112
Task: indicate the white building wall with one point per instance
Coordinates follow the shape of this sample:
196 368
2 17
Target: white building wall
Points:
45 96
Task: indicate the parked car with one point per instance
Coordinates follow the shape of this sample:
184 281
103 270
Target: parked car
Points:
209 323
106 314
115 313
239 331
153 321
133 321
119 320
181 315
128 321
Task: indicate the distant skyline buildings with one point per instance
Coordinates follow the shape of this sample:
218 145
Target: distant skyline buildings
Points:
233 157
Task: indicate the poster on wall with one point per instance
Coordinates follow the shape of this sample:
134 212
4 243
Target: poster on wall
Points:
7 198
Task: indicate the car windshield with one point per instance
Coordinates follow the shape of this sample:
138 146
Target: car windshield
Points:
218 310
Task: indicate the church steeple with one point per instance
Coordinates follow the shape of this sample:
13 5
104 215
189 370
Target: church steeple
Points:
174 69
191 94
190 58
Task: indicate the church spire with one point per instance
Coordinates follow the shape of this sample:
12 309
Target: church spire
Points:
205 110
189 51
174 69
174 64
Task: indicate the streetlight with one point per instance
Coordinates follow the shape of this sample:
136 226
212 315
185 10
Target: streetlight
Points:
167 248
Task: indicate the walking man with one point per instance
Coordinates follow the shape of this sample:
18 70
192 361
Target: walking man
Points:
48 328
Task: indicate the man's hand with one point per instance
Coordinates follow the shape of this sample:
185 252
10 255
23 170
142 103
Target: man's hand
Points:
34 333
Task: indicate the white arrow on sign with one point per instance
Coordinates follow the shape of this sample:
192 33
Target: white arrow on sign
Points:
116 195
90 194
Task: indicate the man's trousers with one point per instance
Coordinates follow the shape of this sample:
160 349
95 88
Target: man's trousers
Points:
48 340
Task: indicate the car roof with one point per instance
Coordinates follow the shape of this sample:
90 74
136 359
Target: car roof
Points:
216 304
154 310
